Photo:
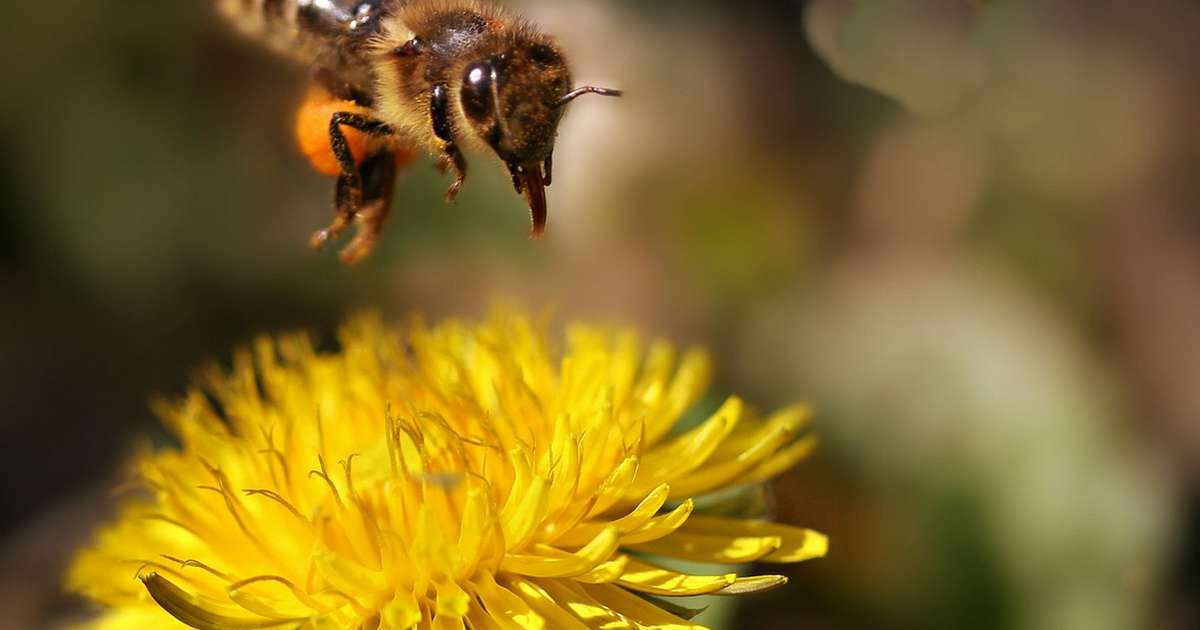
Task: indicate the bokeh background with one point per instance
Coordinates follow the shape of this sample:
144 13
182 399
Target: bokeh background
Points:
967 231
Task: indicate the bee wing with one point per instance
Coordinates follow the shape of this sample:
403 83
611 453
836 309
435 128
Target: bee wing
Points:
335 18
309 30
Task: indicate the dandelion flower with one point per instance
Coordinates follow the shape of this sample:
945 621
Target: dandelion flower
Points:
456 476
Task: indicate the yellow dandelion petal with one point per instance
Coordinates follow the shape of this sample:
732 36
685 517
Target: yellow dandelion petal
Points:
200 612
720 549
606 572
402 612
278 603
586 608
551 562
743 455
781 461
660 526
752 584
580 534
134 617
645 577
687 452
641 612
614 485
551 610
795 545
443 477
505 606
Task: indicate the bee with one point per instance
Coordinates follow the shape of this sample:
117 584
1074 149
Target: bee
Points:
391 77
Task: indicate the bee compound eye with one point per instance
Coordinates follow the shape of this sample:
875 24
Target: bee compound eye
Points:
476 96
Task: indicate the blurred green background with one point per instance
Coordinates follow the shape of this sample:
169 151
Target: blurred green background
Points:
967 232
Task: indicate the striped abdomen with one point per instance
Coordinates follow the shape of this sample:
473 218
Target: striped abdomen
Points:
304 29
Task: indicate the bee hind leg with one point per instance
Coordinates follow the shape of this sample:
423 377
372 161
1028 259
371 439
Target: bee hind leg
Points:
348 198
343 216
379 182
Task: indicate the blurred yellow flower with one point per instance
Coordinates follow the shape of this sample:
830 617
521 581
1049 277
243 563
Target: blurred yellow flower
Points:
446 477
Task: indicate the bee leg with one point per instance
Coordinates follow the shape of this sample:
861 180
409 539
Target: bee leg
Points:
452 157
342 216
378 175
348 197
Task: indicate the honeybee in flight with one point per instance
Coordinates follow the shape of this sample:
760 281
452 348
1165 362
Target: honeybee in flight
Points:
393 76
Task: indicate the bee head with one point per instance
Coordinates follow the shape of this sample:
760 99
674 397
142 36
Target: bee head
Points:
514 101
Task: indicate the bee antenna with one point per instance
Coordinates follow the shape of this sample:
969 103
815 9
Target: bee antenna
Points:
587 89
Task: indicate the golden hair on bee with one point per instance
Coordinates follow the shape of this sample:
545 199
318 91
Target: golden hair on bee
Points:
440 75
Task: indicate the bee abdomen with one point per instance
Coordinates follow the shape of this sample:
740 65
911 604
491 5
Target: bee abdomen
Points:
294 27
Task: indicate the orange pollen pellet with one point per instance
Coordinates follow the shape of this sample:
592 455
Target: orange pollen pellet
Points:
312 131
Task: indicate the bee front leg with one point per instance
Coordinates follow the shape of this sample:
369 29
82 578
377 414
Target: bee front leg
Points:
348 197
452 157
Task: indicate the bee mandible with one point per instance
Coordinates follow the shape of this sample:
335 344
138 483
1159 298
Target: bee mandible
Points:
392 76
